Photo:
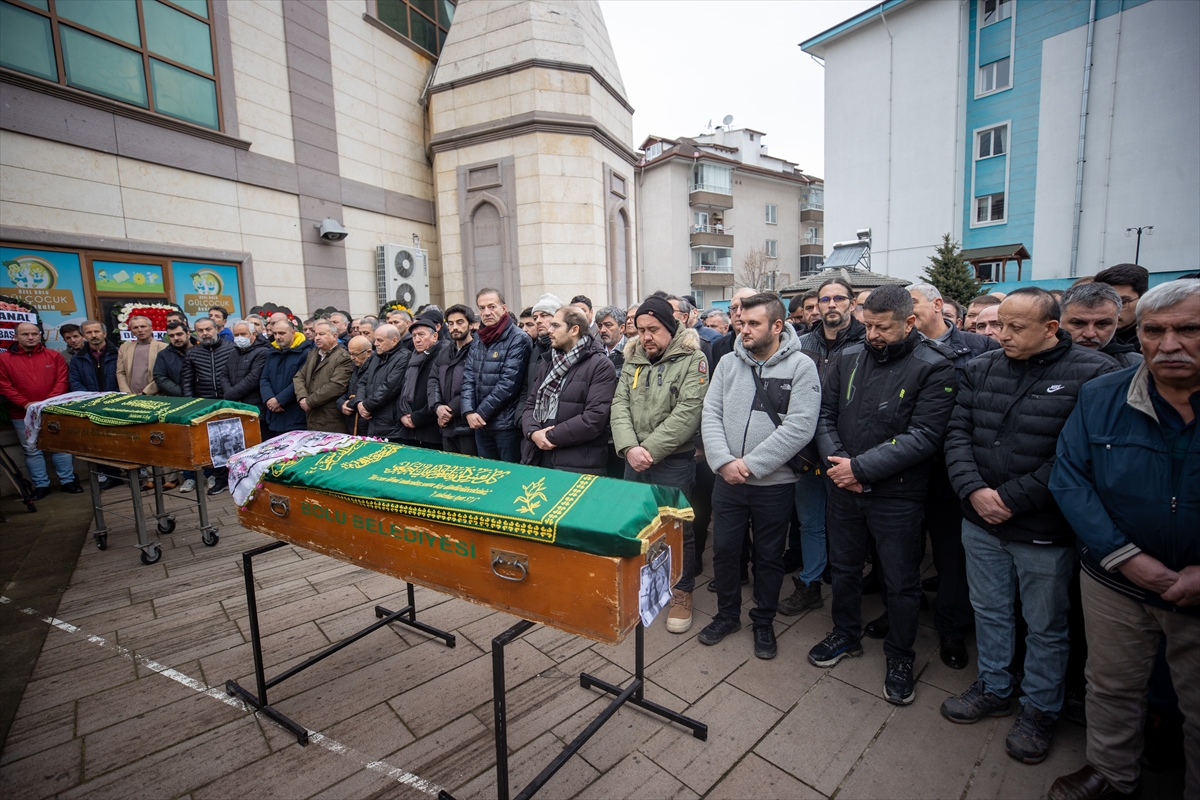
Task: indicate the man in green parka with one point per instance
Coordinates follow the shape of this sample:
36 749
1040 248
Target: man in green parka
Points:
656 421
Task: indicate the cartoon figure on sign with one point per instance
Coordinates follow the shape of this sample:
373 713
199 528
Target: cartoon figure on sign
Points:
102 275
29 273
206 282
151 278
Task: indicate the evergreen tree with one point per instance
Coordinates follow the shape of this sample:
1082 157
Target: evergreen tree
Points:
950 274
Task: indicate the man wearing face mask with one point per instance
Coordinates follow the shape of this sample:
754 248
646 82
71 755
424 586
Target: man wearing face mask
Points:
243 369
884 410
285 356
322 378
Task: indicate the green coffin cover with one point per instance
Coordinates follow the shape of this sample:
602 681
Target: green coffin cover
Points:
137 409
596 515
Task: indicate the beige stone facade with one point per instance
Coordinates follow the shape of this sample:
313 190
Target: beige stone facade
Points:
531 134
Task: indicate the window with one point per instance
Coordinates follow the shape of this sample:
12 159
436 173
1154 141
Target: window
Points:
988 271
813 199
700 221
990 208
812 236
154 54
711 178
996 10
425 23
772 249
654 151
992 142
714 259
811 264
994 76
772 214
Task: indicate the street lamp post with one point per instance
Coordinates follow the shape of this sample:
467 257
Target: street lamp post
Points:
1148 230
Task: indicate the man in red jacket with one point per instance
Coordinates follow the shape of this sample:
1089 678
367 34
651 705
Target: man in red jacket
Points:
30 372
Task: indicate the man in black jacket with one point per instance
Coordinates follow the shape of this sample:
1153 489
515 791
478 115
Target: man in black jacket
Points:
999 452
360 350
417 417
564 424
1131 282
380 384
1090 312
834 330
884 409
244 368
203 375
952 613
168 367
543 312
445 390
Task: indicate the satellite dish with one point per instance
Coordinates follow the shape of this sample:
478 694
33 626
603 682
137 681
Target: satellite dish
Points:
728 120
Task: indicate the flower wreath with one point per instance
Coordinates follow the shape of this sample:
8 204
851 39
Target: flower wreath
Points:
10 321
155 312
395 305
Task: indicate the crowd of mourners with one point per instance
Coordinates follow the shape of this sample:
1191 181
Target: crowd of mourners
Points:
1042 443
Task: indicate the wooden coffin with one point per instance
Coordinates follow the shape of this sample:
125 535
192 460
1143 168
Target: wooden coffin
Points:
157 444
588 595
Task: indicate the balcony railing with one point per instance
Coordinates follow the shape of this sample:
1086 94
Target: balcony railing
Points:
708 229
812 205
710 187
813 240
712 267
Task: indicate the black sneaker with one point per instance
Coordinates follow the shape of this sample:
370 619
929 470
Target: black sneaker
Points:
878 628
898 683
804 597
71 487
39 493
1031 734
718 629
832 649
218 487
974 704
764 641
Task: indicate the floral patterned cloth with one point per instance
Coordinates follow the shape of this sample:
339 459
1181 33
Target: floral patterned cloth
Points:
33 411
247 467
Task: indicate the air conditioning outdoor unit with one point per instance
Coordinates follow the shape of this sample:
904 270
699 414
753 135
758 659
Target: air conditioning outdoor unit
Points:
402 275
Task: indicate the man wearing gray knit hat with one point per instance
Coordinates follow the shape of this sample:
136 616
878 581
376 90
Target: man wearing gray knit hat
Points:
543 313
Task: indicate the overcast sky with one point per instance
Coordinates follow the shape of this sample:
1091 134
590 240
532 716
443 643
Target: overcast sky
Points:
685 63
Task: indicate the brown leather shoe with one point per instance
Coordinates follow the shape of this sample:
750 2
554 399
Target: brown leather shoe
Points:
1086 784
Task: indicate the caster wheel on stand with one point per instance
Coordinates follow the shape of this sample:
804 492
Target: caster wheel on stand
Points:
210 538
166 525
151 555
101 541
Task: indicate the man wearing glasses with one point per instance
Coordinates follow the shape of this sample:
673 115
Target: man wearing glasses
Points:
360 351
836 330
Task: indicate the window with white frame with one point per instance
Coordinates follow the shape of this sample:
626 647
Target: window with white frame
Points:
711 178
988 271
772 248
712 259
995 76
654 150
995 10
992 142
813 236
772 214
700 221
990 208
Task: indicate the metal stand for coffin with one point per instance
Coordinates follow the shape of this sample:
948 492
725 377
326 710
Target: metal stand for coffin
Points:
165 520
405 616
634 693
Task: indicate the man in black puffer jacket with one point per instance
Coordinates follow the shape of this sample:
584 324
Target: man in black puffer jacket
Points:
445 389
380 383
168 367
244 368
203 375
885 405
492 378
565 421
999 453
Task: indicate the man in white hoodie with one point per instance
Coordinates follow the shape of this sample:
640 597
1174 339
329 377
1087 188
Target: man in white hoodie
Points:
768 380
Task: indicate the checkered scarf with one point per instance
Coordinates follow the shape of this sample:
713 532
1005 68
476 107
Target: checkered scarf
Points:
546 405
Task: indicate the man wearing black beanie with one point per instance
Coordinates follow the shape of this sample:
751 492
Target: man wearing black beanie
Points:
656 418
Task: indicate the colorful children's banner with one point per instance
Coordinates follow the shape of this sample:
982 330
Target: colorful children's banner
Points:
50 281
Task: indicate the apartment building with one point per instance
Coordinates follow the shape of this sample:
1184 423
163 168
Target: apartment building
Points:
709 202
1041 134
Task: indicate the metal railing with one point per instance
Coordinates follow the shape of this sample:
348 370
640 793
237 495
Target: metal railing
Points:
810 205
813 240
712 267
710 187
708 229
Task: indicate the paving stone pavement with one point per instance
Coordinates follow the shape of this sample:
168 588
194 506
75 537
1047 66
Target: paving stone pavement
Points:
131 713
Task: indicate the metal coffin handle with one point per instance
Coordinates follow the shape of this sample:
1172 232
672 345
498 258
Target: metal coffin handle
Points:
657 552
157 437
279 505
52 427
514 561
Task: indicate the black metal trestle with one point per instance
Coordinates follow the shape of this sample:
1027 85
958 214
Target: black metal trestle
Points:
405 616
633 693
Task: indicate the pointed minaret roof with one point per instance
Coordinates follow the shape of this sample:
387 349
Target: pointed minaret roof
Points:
491 35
